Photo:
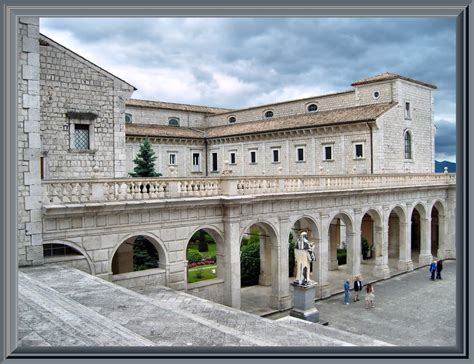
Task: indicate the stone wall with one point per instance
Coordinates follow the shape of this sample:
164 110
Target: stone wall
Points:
71 84
212 290
30 249
144 115
78 262
140 279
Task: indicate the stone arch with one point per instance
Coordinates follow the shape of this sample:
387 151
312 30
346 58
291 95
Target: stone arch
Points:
398 247
334 240
438 229
420 233
77 247
372 229
310 225
152 238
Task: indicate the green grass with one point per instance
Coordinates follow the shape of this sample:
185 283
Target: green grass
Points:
210 252
201 273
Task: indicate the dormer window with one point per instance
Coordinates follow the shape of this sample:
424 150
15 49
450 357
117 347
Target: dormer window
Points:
312 108
232 120
173 122
268 114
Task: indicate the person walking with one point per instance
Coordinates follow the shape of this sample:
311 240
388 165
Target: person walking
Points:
357 288
439 268
433 269
347 287
369 296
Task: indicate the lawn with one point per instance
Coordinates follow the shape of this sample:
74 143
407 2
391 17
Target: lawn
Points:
202 272
211 252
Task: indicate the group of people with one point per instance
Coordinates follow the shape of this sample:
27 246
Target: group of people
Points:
369 295
435 268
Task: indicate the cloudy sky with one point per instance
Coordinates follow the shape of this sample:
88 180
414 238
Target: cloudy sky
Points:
239 62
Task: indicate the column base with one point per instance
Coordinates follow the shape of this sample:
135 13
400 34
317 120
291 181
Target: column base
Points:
405 266
382 271
333 265
280 303
265 280
425 259
303 302
324 291
447 254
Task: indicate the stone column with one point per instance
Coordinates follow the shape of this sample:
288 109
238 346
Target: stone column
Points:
448 239
381 269
425 256
265 277
280 298
320 268
405 263
231 257
334 241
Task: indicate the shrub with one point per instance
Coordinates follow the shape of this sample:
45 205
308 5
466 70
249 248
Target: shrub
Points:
365 247
203 245
341 256
291 256
250 264
193 255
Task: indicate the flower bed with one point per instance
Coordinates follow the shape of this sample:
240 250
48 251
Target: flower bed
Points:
202 262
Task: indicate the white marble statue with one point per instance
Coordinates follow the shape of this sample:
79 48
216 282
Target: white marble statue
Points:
304 255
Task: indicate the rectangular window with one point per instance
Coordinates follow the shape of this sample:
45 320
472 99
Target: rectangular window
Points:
358 150
196 162
81 136
42 167
232 158
172 158
253 157
214 162
328 152
300 154
276 155
407 110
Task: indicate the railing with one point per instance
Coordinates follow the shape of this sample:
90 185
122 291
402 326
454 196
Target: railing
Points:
136 189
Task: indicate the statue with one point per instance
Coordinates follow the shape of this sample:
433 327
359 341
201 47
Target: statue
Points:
304 255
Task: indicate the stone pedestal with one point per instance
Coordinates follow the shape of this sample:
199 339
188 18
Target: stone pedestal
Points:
303 302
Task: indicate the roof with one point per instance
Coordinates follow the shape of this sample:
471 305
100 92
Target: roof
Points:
44 38
175 106
321 118
311 98
150 130
387 76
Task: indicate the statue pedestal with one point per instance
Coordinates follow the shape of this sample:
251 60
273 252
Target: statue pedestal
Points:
303 302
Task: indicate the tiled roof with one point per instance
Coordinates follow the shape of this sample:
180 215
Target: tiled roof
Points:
387 76
174 106
162 131
321 118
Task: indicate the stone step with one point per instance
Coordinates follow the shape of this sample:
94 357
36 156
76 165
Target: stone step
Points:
331 332
64 322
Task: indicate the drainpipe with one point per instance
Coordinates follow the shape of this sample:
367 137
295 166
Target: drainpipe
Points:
371 149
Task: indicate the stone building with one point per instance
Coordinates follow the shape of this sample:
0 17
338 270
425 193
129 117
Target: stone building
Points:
362 158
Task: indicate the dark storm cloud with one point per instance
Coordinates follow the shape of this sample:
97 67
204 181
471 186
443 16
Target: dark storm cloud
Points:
445 140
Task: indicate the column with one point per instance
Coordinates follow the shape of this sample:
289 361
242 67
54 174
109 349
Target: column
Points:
334 241
381 269
405 263
280 298
425 256
231 257
265 277
449 237
320 267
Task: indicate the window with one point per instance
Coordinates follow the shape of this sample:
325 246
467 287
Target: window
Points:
172 159
408 152
128 118
42 167
407 110
81 136
269 114
276 155
312 108
232 119
214 162
376 95
300 154
232 158
173 122
253 157
327 152
358 150
52 250
196 162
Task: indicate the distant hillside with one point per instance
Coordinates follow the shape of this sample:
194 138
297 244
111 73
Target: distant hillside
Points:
439 166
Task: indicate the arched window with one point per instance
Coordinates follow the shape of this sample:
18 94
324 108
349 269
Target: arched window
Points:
312 108
408 151
232 119
269 114
173 122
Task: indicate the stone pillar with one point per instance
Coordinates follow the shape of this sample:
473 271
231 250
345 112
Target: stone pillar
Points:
381 269
405 263
353 253
425 256
30 227
448 241
232 257
334 241
265 277
320 268
280 298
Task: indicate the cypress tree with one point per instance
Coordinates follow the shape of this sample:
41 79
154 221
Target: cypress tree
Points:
145 161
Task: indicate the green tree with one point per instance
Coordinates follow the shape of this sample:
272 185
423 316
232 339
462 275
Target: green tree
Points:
145 255
145 161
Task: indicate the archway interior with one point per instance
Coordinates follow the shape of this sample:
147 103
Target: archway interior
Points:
201 254
415 234
337 243
367 237
302 225
253 254
135 254
435 231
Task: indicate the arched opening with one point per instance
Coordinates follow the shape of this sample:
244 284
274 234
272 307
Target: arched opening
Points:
399 256
374 255
201 254
337 244
437 230
66 254
367 238
308 226
419 240
343 261
135 254
415 233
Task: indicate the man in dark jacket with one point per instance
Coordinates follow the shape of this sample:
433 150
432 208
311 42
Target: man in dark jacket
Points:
357 288
439 268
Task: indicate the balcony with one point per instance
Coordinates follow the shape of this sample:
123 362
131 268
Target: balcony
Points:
80 191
